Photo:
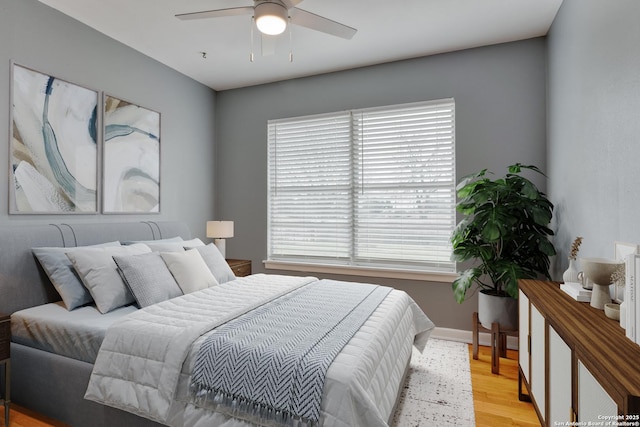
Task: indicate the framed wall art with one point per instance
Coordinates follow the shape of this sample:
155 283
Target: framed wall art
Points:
131 158
53 151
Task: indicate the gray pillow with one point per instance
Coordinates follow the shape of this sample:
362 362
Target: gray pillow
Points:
168 240
99 273
216 263
148 278
177 246
62 275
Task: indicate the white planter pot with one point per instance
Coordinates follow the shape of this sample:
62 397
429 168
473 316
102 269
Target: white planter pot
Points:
498 309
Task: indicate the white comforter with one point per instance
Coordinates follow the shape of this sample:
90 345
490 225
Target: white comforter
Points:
145 361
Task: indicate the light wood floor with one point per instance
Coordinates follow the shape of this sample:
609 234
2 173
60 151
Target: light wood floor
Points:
495 397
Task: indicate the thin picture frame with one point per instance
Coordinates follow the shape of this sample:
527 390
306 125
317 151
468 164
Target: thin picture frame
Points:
620 252
53 145
130 158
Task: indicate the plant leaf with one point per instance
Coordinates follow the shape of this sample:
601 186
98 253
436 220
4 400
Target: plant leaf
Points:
465 281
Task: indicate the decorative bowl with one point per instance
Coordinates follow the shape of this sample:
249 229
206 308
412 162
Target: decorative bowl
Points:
599 270
612 311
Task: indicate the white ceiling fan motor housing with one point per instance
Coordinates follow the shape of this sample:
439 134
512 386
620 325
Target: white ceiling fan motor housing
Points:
271 17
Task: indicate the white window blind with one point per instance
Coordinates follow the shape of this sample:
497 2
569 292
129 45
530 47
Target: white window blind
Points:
371 187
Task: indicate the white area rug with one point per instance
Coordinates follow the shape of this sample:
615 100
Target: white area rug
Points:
438 388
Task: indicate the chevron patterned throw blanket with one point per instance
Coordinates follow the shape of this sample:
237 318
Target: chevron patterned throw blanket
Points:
268 366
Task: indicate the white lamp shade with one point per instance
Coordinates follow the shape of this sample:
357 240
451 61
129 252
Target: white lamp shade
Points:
220 229
271 18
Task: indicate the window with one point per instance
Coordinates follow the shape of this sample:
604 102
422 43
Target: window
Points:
372 188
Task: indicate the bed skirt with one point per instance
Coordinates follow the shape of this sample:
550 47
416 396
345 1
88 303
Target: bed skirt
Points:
54 386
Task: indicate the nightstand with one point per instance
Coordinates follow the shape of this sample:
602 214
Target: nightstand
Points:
240 267
5 346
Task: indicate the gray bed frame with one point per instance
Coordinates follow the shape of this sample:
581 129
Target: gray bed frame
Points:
47 383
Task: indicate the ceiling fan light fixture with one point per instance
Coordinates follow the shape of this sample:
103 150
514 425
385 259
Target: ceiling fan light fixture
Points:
271 18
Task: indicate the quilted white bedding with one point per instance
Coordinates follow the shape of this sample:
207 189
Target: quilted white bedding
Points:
145 361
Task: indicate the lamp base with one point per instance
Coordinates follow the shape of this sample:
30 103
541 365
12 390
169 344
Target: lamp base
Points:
221 244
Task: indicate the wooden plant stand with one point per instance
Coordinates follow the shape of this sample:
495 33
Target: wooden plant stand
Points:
498 341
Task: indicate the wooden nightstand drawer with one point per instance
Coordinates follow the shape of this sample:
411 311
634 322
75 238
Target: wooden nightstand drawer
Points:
5 336
240 267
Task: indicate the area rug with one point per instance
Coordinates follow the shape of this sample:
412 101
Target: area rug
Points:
437 391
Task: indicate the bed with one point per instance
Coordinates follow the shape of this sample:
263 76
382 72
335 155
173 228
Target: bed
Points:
52 365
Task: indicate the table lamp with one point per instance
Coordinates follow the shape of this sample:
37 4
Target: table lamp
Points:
219 231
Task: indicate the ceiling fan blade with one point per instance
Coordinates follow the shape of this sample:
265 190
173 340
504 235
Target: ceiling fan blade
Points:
319 23
268 44
234 11
291 3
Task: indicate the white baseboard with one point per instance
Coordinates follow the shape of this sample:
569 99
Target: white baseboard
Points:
484 338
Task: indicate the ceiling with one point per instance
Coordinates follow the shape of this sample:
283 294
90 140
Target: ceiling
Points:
216 52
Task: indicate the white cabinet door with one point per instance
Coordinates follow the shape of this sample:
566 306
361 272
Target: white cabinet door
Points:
594 404
523 334
537 382
559 380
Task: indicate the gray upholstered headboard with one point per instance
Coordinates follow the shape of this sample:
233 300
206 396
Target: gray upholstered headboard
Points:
24 284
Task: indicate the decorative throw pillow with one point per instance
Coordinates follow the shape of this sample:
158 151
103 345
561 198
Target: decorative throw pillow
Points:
216 263
148 278
100 276
154 245
62 275
189 270
177 246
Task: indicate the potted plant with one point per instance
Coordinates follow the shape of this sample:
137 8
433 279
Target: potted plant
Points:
505 232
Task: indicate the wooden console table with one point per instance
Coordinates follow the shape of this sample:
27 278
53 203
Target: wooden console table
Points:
577 365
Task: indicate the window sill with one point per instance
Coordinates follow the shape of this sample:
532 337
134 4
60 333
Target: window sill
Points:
430 276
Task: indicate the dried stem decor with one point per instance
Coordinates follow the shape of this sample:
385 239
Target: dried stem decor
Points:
575 248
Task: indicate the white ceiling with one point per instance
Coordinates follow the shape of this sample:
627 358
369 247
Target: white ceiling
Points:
387 31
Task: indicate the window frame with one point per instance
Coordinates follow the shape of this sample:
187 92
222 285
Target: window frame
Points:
445 272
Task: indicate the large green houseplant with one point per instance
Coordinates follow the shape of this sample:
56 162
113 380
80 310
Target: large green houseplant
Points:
504 231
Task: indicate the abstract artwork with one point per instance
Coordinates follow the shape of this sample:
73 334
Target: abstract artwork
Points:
131 164
53 149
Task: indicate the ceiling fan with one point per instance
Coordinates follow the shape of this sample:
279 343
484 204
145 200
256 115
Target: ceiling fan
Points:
273 16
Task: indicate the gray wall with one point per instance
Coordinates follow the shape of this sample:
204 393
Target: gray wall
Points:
36 36
594 125
500 94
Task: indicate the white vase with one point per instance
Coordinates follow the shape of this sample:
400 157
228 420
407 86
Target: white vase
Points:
623 315
571 274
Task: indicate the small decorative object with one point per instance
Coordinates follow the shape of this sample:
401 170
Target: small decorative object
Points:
599 271
621 250
618 278
618 275
576 291
612 311
571 274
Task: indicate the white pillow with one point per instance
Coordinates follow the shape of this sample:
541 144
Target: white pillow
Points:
193 243
189 270
99 274
177 246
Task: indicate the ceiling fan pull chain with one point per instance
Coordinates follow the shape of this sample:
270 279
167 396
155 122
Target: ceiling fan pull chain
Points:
251 32
290 41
